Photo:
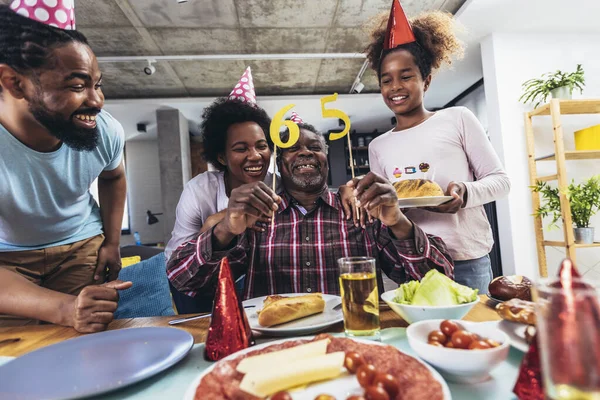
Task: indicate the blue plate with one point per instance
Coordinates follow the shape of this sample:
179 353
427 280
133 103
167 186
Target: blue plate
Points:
93 364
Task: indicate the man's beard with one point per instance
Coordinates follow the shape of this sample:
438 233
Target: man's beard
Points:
310 182
80 139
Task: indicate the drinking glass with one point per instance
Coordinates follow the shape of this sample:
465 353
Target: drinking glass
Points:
568 321
360 297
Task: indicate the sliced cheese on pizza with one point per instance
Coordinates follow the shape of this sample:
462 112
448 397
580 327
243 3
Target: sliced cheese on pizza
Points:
291 374
266 361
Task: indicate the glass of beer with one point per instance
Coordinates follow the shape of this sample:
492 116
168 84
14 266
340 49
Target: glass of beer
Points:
568 321
360 297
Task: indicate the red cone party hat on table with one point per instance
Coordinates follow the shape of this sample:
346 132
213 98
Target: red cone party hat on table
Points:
56 13
296 118
398 30
229 330
244 90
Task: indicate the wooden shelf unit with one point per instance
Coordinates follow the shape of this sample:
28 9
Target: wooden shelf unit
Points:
555 109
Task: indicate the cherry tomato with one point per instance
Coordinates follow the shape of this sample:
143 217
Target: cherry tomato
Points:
492 342
475 336
388 383
436 343
448 327
365 374
283 395
461 339
449 344
324 397
352 361
437 336
355 397
376 393
479 345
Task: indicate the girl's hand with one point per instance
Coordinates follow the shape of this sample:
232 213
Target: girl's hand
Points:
458 191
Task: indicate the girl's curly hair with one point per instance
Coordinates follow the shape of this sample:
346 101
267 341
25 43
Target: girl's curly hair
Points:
436 42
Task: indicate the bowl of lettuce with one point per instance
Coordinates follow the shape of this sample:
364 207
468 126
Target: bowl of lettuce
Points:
434 297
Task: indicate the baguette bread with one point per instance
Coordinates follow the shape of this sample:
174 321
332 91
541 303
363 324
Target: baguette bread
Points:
280 309
417 188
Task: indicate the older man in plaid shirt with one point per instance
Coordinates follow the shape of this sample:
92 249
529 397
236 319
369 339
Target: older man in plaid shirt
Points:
299 252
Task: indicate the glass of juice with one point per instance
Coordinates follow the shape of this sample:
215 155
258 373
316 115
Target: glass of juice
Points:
568 321
360 297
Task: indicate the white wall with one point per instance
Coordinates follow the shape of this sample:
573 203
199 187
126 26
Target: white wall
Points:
508 60
143 190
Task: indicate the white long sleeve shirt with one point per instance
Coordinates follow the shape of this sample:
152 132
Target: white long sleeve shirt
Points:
449 146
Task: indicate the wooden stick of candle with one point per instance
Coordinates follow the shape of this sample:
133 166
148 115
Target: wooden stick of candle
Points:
352 166
274 181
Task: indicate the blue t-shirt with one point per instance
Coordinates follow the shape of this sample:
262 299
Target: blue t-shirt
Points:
45 198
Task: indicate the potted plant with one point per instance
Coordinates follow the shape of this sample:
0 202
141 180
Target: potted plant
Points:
584 200
558 85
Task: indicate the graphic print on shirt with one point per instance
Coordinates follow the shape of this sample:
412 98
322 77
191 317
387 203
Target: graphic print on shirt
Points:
424 169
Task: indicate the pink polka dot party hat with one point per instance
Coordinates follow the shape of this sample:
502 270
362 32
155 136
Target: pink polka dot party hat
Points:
56 13
244 90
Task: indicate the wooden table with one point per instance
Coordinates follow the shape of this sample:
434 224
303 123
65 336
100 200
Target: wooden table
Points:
37 336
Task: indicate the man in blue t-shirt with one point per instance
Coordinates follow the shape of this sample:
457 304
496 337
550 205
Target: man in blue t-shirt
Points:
55 140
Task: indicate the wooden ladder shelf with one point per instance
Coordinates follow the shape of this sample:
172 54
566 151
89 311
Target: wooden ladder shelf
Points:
555 109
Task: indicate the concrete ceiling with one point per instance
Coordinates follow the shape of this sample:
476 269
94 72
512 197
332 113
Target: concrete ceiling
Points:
165 27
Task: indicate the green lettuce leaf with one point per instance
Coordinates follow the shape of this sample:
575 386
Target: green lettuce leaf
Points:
406 291
435 289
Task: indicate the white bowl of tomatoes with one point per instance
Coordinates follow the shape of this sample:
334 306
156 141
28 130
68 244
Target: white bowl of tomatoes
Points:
462 351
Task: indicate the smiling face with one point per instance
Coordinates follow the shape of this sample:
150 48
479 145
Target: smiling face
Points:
304 166
66 98
247 154
402 85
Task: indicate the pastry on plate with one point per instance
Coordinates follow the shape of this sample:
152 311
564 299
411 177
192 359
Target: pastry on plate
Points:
410 188
517 310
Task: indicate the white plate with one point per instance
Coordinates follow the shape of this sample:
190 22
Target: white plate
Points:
303 326
430 201
516 334
340 388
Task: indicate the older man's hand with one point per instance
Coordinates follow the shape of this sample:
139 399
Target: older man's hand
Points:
378 198
247 204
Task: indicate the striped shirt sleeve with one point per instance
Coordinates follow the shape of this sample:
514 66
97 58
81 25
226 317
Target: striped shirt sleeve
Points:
412 257
194 266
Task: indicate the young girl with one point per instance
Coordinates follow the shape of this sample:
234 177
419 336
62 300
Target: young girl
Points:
449 145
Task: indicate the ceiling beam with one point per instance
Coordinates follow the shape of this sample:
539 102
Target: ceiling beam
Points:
247 57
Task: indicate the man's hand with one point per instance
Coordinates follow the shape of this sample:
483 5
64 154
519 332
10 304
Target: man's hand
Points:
458 191
109 256
247 204
351 211
94 308
377 196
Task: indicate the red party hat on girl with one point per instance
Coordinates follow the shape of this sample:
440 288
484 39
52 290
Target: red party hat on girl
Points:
244 90
398 31
56 13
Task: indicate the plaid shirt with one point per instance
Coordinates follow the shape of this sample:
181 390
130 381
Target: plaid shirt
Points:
300 253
